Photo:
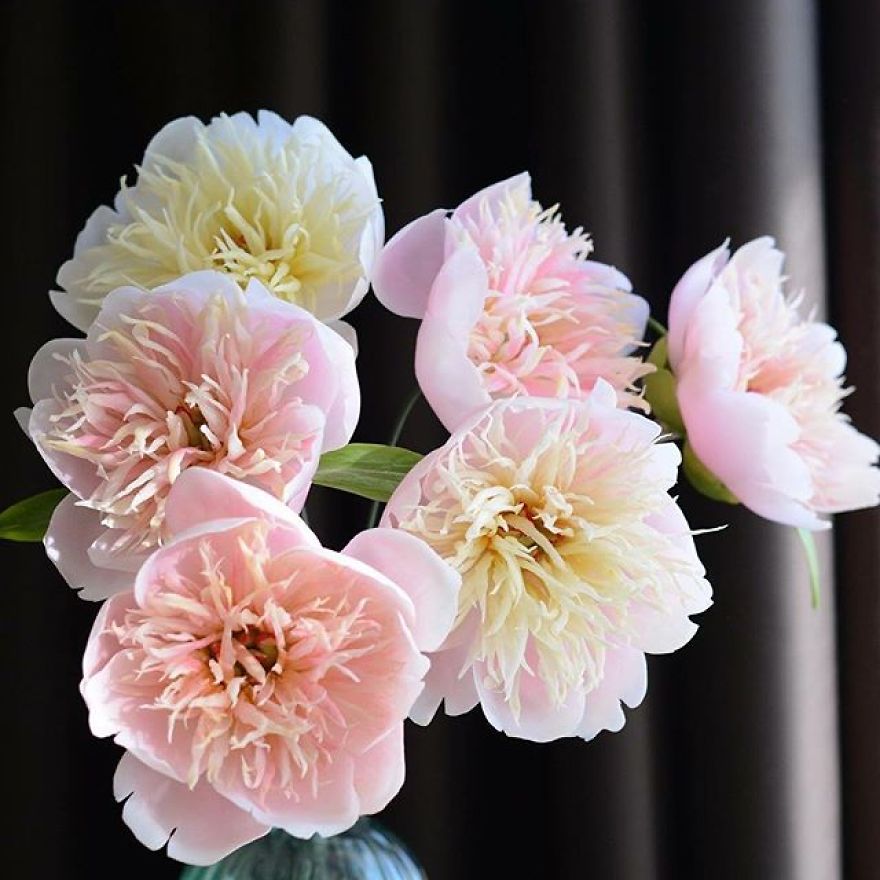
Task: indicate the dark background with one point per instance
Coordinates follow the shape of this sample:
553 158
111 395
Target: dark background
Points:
662 128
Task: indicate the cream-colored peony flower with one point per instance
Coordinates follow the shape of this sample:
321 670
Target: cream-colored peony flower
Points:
283 204
575 562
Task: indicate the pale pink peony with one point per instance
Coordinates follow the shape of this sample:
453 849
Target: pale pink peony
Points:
195 374
510 305
760 390
575 562
256 679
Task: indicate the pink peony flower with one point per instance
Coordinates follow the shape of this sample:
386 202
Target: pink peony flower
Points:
256 679
194 374
510 305
575 562
760 391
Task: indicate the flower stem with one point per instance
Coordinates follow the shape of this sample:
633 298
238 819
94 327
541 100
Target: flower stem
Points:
396 431
657 327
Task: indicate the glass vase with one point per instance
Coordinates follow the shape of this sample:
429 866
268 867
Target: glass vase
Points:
365 852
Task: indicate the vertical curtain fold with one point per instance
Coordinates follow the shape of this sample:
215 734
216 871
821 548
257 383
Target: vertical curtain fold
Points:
851 73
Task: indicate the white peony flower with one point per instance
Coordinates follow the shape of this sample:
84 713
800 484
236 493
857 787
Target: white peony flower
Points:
283 204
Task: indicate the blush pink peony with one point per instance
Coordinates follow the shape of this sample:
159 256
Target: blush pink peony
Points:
575 562
510 305
195 374
257 680
760 391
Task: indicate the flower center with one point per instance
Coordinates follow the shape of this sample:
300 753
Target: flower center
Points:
250 654
193 422
245 259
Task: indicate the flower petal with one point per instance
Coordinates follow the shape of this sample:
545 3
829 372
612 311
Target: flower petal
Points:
411 564
199 825
409 263
493 196
450 381
379 772
539 719
625 678
450 681
692 287
72 531
745 440
200 495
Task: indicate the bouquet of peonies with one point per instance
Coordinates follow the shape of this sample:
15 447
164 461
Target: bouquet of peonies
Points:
256 679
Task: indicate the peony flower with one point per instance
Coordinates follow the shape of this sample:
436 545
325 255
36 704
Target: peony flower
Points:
510 305
760 390
257 680
575 562
261 200
195 374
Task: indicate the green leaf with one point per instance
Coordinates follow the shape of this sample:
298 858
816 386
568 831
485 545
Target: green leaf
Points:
28 520
703 480
367 469
809 545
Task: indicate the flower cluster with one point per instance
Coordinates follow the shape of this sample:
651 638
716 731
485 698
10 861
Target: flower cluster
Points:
256 679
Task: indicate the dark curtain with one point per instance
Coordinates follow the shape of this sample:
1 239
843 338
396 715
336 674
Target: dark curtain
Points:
660 127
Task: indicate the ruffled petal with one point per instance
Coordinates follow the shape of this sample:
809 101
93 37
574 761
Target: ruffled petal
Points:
539 718
199 825
624 679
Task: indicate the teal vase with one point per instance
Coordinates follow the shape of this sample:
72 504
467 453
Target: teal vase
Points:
365 852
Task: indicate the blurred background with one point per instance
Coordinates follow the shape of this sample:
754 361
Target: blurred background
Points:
662 129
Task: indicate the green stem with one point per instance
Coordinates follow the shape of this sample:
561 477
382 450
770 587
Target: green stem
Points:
396 431
400 424
657 327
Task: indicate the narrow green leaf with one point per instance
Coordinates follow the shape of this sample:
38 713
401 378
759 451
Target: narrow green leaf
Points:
28 520
370 470
809 545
